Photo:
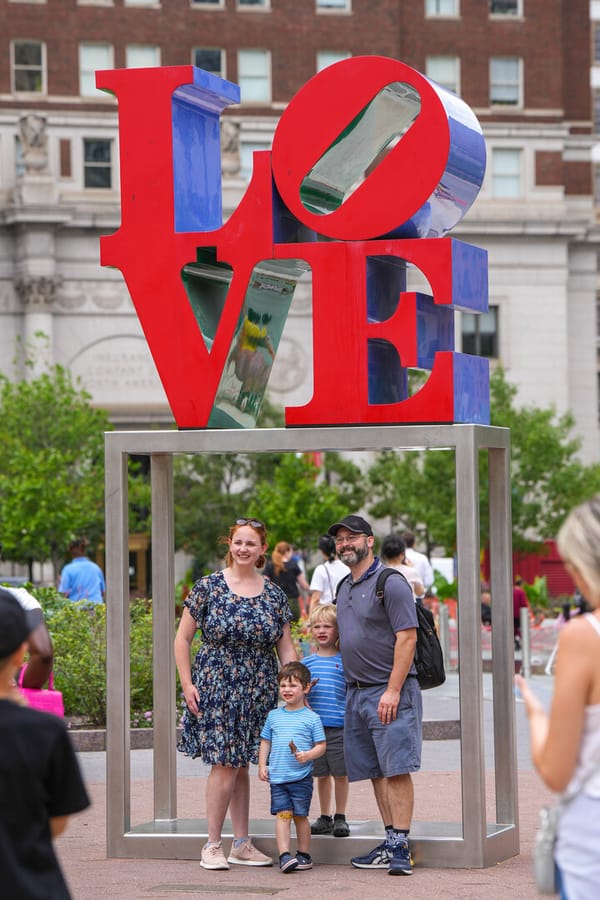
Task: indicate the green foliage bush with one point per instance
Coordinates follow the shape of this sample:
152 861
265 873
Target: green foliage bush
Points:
78 633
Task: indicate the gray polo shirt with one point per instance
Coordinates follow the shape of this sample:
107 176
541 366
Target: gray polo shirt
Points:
368 627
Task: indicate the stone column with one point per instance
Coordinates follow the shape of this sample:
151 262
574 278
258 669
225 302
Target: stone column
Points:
37 296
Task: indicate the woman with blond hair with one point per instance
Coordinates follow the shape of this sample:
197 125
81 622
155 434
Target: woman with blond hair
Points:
286 574
565 745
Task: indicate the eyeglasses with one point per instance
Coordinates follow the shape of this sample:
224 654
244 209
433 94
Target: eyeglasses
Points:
349 539
254 522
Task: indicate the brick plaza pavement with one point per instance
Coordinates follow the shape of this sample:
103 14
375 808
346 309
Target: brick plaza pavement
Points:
437 798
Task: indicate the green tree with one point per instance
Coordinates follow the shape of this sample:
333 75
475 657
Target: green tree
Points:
417 489
51 467
301 499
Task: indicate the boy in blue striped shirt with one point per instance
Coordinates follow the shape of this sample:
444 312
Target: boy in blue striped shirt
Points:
328 700
291 739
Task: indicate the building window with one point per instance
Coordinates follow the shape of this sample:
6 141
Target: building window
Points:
480 333
210 59
257 4
328 57
506 173
596 27
447 8
97 164
505 81
335 5
246 154
445 70
213 3
29 67
505 7
142 56
254 76
92 57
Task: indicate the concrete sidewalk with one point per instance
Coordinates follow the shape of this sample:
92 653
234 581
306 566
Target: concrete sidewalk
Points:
90 874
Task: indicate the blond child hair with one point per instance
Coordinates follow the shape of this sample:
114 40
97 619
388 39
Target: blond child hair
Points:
326 613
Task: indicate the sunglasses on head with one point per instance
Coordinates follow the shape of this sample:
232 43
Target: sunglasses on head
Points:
254 522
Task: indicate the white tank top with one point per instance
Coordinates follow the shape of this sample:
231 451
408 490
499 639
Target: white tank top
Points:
589 750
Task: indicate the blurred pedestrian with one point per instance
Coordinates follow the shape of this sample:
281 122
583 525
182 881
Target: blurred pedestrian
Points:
40 781
423 566
286 574
82 579
393 553
565 745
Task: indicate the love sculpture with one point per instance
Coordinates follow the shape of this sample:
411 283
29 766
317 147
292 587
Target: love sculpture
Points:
372 165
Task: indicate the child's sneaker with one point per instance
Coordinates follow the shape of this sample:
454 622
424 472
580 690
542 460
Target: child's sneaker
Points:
304 861
400 862
247 855
378 858
287 862
323 825
213 857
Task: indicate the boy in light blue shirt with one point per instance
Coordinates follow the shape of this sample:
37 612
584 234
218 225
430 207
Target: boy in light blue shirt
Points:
292 738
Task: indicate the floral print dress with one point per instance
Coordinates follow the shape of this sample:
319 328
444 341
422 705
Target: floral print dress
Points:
235 670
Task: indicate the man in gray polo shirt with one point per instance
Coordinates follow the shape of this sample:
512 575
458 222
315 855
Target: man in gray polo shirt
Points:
384 711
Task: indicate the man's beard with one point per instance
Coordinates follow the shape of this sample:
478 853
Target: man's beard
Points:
353 555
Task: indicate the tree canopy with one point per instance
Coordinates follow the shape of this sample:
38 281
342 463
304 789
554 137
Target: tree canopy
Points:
51 466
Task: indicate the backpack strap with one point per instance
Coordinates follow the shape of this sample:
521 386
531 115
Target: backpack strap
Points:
338 586
383 576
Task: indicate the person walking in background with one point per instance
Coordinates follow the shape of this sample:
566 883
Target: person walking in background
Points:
41 785
232 684
419 560
328 700
292 738
519 602
285 573
41 649
327 575
82 579
393 553
383 729
565 746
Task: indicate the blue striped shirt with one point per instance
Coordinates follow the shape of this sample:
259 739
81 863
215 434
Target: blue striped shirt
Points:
304 728
328 697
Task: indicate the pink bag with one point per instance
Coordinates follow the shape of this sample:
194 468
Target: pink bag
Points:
50 700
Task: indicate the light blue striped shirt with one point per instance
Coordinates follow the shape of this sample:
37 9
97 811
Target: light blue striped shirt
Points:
304 728
328 697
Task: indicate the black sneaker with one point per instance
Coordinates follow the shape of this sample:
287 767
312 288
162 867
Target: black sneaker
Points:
378 858
323 825
304 861
340 826
287 862
400 862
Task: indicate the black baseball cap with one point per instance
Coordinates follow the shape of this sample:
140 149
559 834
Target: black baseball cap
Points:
15 624
353 523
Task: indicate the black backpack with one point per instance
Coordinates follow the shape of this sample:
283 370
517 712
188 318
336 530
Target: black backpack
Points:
429 659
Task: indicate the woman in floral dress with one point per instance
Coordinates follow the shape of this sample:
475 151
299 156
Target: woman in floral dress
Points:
232 685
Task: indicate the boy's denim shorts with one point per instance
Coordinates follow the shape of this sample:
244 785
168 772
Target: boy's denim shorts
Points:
374 750
293 795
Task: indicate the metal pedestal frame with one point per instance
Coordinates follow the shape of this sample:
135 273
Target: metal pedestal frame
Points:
474 842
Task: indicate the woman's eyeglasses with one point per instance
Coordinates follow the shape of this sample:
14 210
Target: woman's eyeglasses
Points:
254 522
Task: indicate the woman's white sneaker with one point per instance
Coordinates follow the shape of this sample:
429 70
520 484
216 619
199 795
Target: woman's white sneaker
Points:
213 857
247 855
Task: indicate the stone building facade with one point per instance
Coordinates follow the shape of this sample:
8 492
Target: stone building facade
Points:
522 65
